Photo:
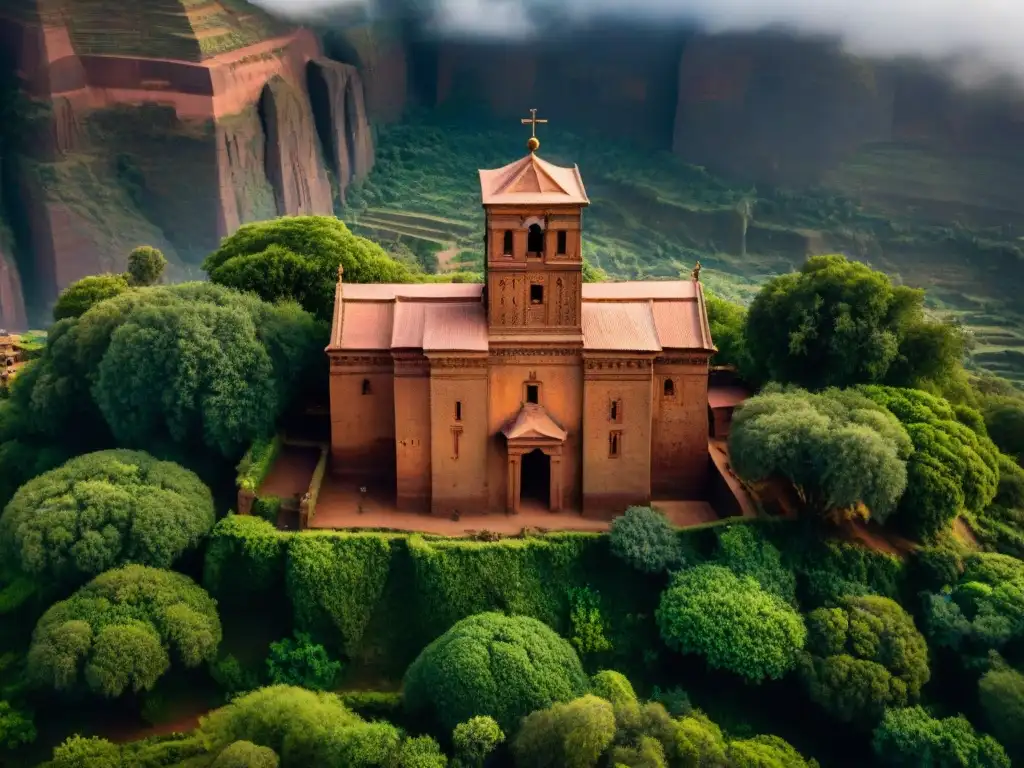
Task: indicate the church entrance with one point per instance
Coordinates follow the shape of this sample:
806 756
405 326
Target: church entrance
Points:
535 488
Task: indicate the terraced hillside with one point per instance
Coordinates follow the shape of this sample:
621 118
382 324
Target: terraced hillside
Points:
652 216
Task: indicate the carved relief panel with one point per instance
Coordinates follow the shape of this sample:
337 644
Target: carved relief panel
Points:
507 303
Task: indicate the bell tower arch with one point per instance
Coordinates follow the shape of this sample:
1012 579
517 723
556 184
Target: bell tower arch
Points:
534 261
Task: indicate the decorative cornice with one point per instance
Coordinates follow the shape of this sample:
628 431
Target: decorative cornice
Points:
690 360
617 364
351 361
458 362
534 351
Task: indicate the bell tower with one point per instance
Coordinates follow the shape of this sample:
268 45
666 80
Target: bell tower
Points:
534 255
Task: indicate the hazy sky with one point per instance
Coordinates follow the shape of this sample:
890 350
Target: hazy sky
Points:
992 30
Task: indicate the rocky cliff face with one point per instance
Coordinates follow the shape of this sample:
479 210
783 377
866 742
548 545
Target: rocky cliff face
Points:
176 151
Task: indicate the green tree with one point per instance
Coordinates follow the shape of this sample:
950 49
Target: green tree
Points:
16 726
863 657
727 321
489 664
118 632
1004 421
421 752
837 323
614 687
475 739
297 257
730 621
644 538
245 754
79 297
102 510
911 738
953 465
765 752
1001 692
844 455
570 735
303 663
146 266
743 550
86 752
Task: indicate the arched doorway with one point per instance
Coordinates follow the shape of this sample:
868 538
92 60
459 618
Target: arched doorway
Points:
535 239
535 479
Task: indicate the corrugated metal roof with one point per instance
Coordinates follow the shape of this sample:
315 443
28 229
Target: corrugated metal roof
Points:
532 181
619 326
366 325
637 290
455 328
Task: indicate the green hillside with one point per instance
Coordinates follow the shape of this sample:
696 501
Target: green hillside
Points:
652 216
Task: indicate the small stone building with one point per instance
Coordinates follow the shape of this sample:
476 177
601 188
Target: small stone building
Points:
532 389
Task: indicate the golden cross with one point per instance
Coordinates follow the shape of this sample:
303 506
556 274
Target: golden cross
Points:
533 122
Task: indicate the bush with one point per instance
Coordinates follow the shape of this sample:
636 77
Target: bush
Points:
232 677
146 266
81 752
303 663
245 557
79 297
863 657
730 621
245 754
587 627
745 552
489 664
1001 692
765 752
475 739
115 633
102 510
645 539
844 455
16 727
614 687
572 735
911 738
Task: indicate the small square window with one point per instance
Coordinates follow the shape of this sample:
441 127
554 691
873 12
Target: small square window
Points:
614 444
533 393
562 242
458 410
536 294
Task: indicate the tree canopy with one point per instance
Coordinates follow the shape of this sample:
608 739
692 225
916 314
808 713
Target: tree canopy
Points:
297 257
837 323
645 539
732 622
911 738
953 465
573 734
490 664
727 322
1004 421
190 365
844 455
1001 693
146 266
102 510
862 657
745 551
75 300
121 631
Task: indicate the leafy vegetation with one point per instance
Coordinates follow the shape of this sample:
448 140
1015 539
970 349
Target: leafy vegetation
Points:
644 538
75 300
911 737
146 266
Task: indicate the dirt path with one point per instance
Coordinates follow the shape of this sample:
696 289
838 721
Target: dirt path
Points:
445 258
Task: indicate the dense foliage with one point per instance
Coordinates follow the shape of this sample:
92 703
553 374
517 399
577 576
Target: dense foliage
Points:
645 539
122 631
302 662
475 739
844 455
863 656
745 552
837 323
1004 420
102 510
732 622
501 666
1001 694
82 295
727 322
953 465
297 258
911 738
146 266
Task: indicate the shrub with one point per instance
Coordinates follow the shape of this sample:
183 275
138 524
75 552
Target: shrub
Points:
911 737
1001 692
16 727
765 752
863 657
489 664
146 266
79 297
732 622
115 633
614 687
844 455
421 752
587 627
571 735
245 754
245 557
102 510
645 539
232 677
745 552
303 663
475 739
82 752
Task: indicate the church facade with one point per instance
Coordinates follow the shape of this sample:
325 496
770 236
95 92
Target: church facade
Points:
535 389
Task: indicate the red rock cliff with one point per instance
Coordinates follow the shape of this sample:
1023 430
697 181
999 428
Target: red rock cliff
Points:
175 152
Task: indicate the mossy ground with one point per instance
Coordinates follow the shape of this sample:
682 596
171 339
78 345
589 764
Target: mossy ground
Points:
931 220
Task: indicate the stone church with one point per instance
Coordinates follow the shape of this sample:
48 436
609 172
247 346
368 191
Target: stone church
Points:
535 389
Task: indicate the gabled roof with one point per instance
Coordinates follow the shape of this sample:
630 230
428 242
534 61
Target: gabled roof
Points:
532 181
533 423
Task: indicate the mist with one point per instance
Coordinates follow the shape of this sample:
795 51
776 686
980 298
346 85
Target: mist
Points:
980 38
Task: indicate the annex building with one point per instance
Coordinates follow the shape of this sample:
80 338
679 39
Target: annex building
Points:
534 388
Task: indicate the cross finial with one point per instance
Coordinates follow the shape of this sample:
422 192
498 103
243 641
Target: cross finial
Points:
533 144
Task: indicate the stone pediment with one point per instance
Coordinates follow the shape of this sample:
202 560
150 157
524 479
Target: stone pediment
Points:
533 423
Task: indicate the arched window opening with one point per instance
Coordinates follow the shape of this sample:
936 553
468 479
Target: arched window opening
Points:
506 247
535 239
366 386
670 388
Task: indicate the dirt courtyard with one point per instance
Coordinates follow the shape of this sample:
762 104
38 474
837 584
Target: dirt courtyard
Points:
342 505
